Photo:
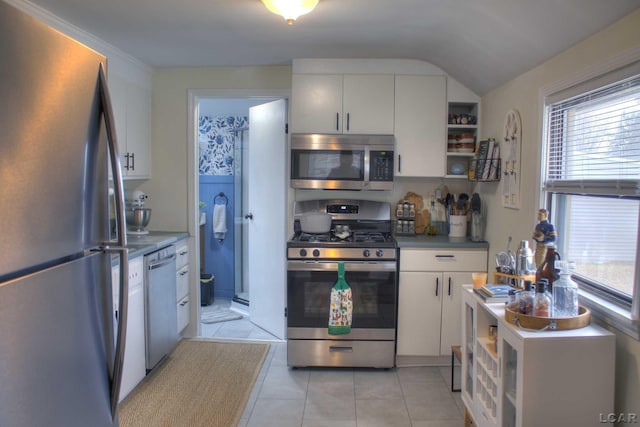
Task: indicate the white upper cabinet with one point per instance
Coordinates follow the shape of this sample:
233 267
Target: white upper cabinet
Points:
337 103
420 117
131 103
368 104
129 83
316 103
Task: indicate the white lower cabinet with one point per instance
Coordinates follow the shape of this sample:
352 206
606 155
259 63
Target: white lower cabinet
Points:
429 300
182 285
133 370
533 378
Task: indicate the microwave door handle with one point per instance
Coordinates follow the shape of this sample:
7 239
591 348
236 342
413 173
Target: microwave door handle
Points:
367 169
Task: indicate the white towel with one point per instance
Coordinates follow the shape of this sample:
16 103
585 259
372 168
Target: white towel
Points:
220 221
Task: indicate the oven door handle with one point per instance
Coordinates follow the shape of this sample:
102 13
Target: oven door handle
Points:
340 349
348 266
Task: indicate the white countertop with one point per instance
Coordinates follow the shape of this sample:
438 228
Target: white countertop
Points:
143 244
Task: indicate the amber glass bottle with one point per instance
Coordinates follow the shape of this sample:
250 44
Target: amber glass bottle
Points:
548 269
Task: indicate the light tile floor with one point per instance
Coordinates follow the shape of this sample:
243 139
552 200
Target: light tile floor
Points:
323 397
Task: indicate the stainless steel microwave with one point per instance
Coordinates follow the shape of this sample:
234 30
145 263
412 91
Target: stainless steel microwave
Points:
342 162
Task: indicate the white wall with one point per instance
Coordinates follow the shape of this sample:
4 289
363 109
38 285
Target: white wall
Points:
170 129
228 107
524 95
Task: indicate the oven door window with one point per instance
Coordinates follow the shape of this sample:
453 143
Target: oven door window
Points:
373 293
337 165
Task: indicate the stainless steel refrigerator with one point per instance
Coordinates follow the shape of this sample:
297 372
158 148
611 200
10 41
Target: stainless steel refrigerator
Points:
60 358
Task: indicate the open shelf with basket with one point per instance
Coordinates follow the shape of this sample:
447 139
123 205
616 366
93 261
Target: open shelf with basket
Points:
462 135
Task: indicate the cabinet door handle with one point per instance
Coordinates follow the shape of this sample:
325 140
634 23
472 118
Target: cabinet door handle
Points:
399 163
182 273
437 285
133 161
348 117
449 286
126 164
337 121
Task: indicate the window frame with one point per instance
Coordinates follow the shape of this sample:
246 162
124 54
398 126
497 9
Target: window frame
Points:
606 307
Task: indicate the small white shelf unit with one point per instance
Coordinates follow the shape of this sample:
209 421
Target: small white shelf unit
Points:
528 378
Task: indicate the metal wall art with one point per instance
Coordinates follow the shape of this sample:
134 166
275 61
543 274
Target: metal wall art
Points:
511 169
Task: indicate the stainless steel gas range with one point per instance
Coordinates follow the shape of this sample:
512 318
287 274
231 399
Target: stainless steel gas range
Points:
361 238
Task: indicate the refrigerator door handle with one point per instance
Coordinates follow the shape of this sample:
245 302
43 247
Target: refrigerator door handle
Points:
116 170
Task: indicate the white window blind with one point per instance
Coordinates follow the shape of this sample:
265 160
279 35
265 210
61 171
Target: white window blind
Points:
593 142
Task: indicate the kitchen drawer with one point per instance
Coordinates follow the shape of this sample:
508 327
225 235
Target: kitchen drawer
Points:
182 282
182 255
443 260
355 354
183 313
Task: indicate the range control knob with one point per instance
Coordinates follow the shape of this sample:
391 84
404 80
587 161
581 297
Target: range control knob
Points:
379 253
303 252
316 253
366 253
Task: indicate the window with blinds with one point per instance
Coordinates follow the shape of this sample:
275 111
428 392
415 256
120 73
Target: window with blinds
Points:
594 142
592 182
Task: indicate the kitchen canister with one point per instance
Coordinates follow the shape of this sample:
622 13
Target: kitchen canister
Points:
458 226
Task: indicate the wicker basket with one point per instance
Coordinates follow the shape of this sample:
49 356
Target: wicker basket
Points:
535 323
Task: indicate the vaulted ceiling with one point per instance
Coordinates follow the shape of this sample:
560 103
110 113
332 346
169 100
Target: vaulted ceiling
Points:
481 43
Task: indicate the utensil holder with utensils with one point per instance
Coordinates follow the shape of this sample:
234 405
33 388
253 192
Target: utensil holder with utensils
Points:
458 226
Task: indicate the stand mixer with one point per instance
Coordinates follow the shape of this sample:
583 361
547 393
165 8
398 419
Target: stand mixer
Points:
136 214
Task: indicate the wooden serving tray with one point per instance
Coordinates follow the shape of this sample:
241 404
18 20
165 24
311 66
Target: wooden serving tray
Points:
536 323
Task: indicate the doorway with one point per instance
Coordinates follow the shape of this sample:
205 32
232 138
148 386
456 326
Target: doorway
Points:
231 263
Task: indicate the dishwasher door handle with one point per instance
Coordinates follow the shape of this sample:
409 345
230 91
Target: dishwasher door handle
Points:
162 262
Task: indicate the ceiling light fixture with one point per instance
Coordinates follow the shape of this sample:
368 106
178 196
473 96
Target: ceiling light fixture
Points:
290 9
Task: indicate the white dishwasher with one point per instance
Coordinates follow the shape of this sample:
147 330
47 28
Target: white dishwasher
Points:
161 317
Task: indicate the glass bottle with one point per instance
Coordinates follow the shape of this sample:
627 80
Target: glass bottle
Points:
542 304
526 298
565 292
512 301
548 270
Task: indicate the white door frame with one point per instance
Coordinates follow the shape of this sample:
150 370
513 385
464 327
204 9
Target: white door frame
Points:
193 184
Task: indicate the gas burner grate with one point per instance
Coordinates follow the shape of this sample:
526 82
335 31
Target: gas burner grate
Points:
310 237
356 237
369 237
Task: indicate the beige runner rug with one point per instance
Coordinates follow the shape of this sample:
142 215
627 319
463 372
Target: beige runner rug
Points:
202 383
